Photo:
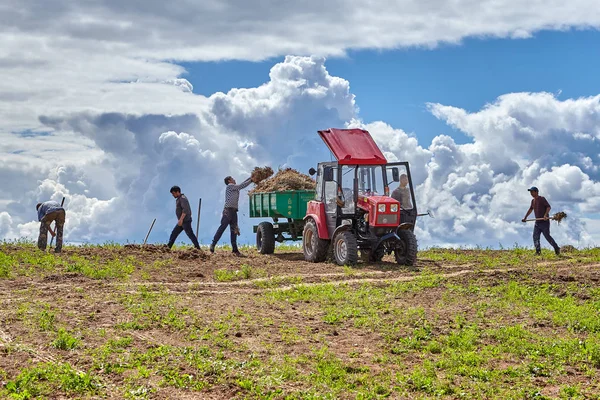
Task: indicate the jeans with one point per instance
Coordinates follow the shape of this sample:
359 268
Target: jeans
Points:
539 228
229 218
187 227
59 217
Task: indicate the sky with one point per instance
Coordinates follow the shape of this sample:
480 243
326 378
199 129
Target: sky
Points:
110 105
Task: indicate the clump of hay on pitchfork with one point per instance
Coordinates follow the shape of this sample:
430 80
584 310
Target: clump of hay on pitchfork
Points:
559 216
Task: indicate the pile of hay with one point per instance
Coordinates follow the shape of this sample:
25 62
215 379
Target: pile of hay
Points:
285 179
152 248
559 216
192 254
568 249
260 174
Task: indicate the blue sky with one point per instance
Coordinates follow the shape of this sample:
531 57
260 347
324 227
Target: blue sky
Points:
395 85
121 127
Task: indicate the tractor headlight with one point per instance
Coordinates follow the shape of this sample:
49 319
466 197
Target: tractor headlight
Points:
394 208
381 208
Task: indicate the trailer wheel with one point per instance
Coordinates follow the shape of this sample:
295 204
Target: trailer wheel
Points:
265 238
315 248
345 248
406 251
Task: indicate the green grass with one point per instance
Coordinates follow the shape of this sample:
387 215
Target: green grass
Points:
95 269
276 281
31 262
245 272
154 309
48 379
65 340
46 319
7 264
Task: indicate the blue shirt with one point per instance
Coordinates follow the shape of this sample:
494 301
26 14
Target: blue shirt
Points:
47 207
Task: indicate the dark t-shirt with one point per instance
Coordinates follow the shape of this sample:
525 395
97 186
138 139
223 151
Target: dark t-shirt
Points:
539 206
182 205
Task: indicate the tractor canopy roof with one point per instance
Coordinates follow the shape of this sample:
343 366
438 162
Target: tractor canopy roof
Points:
353 146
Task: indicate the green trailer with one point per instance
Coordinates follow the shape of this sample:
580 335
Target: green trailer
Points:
287 206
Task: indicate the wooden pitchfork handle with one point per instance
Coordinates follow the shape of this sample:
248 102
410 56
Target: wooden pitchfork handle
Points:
540 219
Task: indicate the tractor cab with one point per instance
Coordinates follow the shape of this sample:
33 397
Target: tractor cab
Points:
354 209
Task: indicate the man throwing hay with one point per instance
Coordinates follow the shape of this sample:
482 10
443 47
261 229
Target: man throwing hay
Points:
232 198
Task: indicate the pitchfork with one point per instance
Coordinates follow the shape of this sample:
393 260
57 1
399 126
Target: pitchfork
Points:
556 217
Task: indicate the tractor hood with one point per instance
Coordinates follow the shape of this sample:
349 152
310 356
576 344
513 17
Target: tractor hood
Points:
353 146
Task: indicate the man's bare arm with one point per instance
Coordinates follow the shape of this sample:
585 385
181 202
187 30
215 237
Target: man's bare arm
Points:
528 212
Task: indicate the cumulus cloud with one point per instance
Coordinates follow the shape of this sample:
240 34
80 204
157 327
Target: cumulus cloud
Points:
478 189
64 56
137 158
115 167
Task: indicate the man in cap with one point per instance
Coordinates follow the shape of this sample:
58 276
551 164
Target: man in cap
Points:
541 209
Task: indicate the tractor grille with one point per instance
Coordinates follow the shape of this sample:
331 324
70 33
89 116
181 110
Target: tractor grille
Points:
387 219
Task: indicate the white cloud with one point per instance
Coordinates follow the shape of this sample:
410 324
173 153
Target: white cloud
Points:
136 158
116 168
60 56
107 118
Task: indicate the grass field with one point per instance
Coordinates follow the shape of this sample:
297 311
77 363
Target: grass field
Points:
123 322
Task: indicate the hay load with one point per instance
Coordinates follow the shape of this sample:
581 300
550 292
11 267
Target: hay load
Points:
260 174
284 180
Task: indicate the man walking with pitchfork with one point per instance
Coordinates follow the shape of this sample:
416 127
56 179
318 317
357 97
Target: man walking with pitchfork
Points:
541 209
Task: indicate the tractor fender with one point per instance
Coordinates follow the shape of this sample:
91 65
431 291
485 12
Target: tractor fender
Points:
404 226
316 211
391 235
341 228
321 226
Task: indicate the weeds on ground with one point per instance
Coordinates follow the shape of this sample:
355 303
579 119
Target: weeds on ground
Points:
50 379
98 269
65 341
245 272
151 308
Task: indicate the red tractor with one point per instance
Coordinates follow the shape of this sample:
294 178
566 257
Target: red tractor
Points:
353 210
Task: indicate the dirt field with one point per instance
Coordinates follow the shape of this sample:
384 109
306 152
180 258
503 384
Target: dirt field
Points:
127 322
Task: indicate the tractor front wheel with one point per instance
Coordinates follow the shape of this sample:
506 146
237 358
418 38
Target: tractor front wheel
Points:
345 248
377 254
265 238
406 250
315 248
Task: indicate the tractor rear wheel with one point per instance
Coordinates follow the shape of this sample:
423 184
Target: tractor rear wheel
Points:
406 251
315 248
265 238
345 248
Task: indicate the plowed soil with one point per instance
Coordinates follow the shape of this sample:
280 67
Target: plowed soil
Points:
227 309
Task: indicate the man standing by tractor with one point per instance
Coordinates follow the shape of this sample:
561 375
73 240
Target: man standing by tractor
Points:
541 209
184 218
402 193
47 212
230 217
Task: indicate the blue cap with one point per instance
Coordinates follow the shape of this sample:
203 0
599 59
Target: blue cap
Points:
533 189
